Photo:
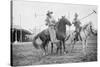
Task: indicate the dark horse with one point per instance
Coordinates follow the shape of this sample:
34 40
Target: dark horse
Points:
44 36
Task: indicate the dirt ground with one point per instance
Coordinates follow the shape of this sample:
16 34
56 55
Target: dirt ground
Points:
25 54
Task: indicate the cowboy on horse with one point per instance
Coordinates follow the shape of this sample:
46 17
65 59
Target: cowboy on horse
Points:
77 23
50 22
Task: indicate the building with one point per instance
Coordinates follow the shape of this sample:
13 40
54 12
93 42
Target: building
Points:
18 34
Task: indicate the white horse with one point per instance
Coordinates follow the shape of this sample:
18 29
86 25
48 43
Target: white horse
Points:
85 32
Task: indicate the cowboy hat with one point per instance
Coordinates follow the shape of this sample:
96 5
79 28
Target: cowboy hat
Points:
49 12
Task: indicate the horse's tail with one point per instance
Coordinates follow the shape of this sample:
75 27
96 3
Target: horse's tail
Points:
34 42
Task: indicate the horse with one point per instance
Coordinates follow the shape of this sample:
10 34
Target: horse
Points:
44 36
85 32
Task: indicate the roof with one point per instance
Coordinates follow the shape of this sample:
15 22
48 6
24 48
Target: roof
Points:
16 27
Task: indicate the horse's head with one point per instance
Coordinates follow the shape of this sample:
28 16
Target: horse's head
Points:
90 28
65 21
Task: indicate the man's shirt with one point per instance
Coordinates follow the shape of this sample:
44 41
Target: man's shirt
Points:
76 23
50 21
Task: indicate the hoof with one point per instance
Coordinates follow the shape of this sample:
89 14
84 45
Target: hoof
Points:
65 52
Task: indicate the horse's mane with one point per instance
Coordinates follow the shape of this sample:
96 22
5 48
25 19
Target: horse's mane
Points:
85 26
57 23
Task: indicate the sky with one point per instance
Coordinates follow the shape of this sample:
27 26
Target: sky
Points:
30 15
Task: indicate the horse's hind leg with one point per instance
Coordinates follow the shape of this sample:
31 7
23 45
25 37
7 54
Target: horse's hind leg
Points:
72 46
86 44
84 47
59 45
44 51
44 45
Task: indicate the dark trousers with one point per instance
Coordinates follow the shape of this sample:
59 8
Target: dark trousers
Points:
78 36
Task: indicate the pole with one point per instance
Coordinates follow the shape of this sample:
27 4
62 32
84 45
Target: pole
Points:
16 36
20 30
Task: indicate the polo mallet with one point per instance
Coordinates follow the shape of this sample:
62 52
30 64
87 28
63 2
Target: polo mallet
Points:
89 15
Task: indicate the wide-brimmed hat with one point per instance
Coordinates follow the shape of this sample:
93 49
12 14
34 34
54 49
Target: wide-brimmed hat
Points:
49 12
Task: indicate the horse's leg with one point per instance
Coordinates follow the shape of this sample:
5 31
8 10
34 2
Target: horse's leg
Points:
57 49
63 43
86 43
51 47
72 45
84 46
44 51
48 43
44 45
57 45
60 47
